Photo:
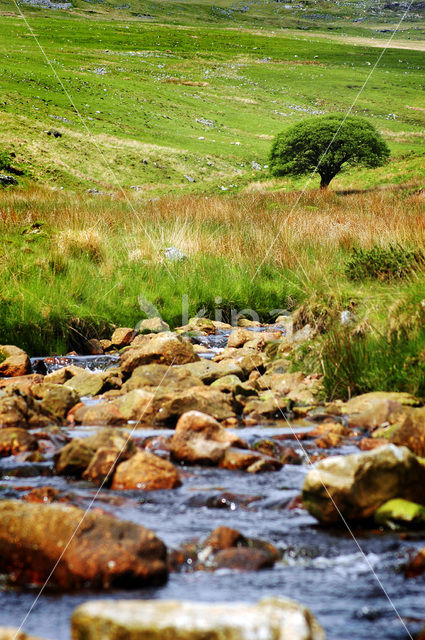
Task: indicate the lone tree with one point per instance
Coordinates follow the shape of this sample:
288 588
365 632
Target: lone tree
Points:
327 143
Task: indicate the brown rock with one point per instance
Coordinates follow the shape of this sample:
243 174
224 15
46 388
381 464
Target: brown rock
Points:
239 336
200 439
122 337
160 376
204 399
102 414
224 538
242 559
153 325
13 361
82 453
147 472
11 633
15 440
208 371
13 410
411 433
21 383
367 444
163 348
60 376
139 405
55 399
238 460
102 466
94 550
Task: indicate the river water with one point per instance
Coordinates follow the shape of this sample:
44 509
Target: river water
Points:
354 585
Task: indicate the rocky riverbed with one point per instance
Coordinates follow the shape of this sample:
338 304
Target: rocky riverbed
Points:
194 466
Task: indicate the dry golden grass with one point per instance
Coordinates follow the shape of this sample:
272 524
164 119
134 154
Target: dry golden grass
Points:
237 228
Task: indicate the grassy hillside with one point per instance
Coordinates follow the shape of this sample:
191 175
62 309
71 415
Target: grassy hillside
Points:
162 106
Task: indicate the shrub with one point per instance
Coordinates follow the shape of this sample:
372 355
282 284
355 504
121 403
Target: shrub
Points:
383 263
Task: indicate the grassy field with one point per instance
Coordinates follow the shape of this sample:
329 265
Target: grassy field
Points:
187 109
161 117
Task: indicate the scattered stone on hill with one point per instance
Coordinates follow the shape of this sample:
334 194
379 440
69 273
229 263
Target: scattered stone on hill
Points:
277 618
147 472
173 254
200 439
92 550
6 180
355 486
13 361
54 133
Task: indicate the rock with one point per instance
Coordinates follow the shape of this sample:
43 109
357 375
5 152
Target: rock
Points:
224 538
86 383
160 376
146 472
416 566
21 383
92 550
6 180
13 410
13 441
81 454
357 485
122 337
55 400
277 618
268 406
204 399
411 432
239 336
371 410
200 439
12 633
153 325
209 371
242 559
60 376
251 461
139 405
94 347
102 414
173 254
13 361
163 348
398 512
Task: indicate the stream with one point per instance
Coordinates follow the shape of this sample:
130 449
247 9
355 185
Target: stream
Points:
326 569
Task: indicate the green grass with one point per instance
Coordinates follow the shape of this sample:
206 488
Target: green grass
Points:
119 73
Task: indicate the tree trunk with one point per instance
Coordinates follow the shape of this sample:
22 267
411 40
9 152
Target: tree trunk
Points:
324 182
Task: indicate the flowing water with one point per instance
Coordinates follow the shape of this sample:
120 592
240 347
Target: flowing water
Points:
354 584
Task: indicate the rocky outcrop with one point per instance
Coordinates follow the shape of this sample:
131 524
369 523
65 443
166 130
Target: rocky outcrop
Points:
355 486
277 618
13 361
89 550
146 472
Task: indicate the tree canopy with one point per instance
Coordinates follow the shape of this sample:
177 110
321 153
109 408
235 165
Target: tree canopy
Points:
327 144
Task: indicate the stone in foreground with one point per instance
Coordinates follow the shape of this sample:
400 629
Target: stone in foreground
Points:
355 486
270 619
81 550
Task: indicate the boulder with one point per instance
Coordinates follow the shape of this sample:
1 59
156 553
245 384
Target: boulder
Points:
163 348
13 410
86 383
139 405
87 455
13 361
55 399
60 376
370 410
277 618
122 337
76 549
160 376
251 461
210 401
242 559
102 414
16 440
21 383
146 472
239 336
411 432
153 325
209 371
200 439
355 486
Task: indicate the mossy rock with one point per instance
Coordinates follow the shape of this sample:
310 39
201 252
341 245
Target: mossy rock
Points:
398 512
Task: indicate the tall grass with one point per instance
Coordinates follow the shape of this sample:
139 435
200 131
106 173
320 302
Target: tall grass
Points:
83 262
